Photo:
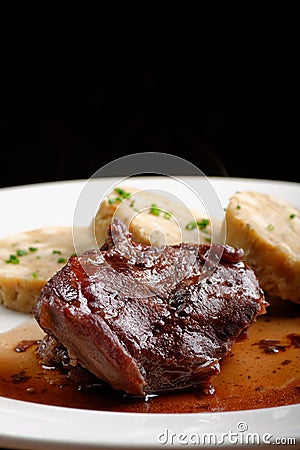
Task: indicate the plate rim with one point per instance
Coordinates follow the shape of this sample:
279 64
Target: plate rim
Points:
211 178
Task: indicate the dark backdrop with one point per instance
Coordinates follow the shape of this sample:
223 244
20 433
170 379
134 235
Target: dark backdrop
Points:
80 87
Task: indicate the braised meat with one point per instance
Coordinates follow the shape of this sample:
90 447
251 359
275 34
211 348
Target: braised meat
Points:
149 319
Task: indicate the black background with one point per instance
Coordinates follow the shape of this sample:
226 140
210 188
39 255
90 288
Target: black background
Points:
82 86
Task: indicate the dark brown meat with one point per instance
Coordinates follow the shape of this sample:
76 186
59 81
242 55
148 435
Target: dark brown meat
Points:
149 319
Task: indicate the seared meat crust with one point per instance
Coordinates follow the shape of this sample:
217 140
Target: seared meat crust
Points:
150 319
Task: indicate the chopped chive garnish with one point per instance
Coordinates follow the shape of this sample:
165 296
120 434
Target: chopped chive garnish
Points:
292 216
56 252
61 260
201 224
270 227
191 226
13 259
32 249
155 210
113 200
22 252
122 193
119 191
167 215
34 274
238 206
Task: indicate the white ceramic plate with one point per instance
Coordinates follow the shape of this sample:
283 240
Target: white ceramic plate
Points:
25 425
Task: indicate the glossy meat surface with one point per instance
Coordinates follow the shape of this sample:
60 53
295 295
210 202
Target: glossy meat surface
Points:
150 319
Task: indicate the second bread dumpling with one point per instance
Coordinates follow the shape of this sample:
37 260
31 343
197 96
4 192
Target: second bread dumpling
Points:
268 229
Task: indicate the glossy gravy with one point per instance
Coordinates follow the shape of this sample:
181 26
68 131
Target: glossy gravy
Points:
261 371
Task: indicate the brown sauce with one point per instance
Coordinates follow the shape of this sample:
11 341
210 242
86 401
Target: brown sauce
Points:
261 371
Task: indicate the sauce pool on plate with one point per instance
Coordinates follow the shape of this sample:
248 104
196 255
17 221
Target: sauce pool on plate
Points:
261 371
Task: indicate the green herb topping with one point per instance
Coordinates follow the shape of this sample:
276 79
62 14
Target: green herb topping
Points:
191 226
113 200
201 224
156 211
61 260
122 195
13 259
21 252
167 215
